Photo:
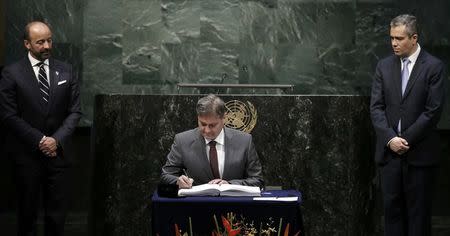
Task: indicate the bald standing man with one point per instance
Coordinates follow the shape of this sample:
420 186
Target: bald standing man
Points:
40 108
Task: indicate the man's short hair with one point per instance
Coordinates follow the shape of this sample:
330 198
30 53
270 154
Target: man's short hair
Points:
211 105
409 21
26 31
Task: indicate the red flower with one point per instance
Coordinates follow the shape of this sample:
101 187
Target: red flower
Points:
286 230
177 231
230 231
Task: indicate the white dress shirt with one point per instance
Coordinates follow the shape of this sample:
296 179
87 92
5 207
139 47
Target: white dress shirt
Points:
412 59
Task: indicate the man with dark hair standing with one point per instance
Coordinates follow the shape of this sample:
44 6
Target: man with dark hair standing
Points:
406 104
40 108
212 153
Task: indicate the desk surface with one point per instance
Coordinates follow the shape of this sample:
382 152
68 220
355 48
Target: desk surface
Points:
169 211
216 199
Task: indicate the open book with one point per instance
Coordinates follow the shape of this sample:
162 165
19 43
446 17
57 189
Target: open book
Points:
220 190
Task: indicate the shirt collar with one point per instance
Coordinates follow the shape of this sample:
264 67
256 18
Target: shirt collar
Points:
220 139
35 61
415 55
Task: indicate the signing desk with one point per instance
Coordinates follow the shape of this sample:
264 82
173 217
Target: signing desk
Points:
166 212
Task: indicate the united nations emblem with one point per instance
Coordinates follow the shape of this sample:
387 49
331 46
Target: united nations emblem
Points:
240 116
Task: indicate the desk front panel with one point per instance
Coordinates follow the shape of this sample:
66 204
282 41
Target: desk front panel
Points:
166 212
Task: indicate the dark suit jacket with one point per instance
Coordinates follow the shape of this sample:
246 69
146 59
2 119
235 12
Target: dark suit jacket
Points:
188 152
419 108
27 119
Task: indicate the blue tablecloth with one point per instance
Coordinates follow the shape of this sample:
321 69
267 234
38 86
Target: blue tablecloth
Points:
166 212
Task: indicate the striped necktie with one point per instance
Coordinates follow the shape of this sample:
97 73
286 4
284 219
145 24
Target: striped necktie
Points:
44 86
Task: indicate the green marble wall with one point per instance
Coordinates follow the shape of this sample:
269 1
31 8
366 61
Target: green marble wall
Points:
148 46
322 47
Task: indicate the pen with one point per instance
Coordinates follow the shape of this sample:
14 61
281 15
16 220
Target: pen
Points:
190 179
185 173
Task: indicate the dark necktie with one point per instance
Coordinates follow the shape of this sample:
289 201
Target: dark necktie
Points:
213 163
43 82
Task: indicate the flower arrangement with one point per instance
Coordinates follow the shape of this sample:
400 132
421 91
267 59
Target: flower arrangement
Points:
232 226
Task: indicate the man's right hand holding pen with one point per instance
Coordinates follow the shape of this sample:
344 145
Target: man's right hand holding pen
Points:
184 181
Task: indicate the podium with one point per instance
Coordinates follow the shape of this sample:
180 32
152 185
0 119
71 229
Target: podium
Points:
322 145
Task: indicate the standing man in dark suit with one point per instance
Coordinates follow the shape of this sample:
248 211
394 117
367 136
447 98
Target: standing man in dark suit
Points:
212 153
406 104
40 108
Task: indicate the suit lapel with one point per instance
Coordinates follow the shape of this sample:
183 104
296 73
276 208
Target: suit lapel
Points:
54 74
415 73
228 153
396 74
200 145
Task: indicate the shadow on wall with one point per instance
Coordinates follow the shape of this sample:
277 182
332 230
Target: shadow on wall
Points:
2 130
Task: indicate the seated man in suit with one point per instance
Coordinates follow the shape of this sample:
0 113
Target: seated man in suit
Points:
212 153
